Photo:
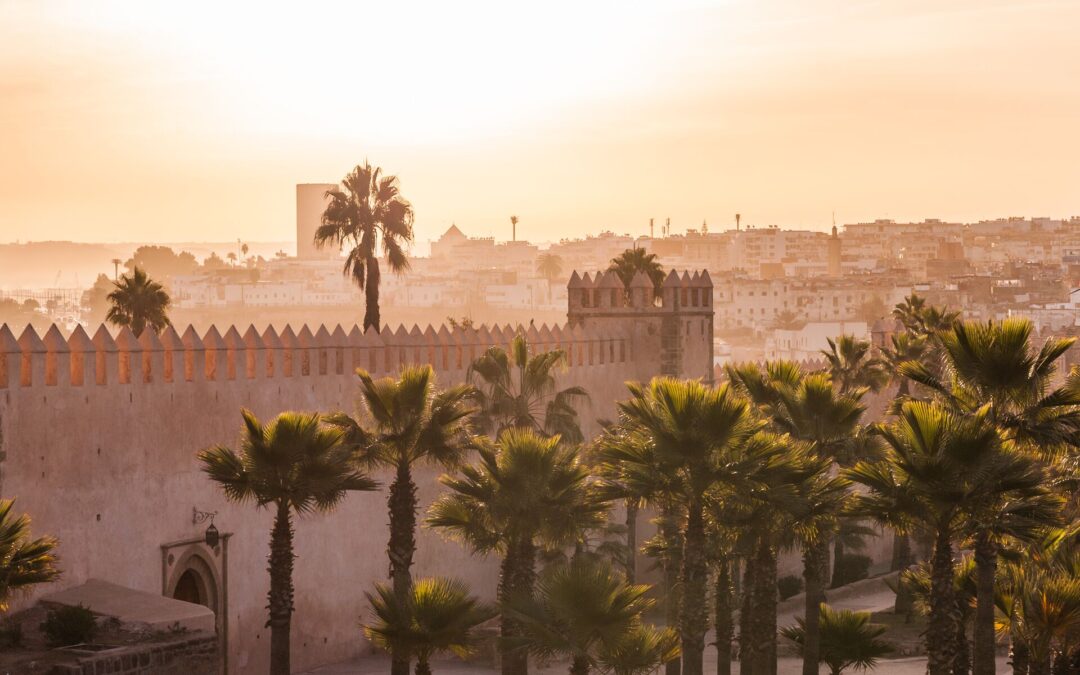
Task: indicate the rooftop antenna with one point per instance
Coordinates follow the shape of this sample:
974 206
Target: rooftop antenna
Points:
738 217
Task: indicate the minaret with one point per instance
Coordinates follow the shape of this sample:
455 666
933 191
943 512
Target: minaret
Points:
651 236
833 269
738 217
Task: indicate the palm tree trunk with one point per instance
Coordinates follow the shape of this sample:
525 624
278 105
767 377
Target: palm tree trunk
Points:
694 615
813 567
402 546
746 613
983 632
423 667
941 632
1041 664
763 611
371 294
1019 656
631 540
722 597
903 559
517 577
837 569
280 598
962 660
579 666
669 532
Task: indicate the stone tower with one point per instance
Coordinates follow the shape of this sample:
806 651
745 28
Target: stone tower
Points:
671 333
833 269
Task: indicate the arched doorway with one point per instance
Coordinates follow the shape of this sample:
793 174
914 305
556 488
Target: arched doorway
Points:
190 588
195 582
192 571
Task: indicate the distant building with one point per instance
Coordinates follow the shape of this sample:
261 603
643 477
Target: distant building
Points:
806 343
834 254
311 201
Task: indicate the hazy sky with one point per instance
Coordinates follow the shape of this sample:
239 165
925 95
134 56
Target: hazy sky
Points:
157 121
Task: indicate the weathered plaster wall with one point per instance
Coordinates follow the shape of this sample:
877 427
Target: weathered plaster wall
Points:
100 436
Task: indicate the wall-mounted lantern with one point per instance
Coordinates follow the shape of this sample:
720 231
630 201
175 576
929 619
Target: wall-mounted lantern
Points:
212 534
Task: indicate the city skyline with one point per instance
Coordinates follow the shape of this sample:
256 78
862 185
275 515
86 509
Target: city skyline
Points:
202 124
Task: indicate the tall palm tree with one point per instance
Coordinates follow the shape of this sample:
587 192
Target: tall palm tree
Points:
439 615
631 469
576 610
633 260
517 389
294 464
811 411
24 562
936 464
137 302
526 491
549 265
368 213
406 422
853 365
848 640
703 436
992 370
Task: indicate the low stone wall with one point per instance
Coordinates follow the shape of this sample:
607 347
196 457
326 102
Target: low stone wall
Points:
189 655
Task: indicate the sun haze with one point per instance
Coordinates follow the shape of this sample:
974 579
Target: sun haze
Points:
133 121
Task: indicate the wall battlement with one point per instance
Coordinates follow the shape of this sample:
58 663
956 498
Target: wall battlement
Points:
119 358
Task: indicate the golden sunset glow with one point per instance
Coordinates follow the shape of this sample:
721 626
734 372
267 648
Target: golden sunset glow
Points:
166 122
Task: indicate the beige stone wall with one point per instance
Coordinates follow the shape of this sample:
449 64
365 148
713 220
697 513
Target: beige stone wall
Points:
99 436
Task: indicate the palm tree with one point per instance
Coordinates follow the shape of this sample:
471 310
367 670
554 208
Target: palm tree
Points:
853 366
549 265
294 464
439 615
994 366
407 422
369 213
24 562
526 491
517 389
633 260
576 610
703 437
825 418
991 370
640 650
905 347
631 469
138 301
848 640
936 464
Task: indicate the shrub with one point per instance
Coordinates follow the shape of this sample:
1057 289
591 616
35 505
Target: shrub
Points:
789 586
853 567
65 626
847 640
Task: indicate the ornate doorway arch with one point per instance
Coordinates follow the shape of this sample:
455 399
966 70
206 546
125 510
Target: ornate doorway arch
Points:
193 572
